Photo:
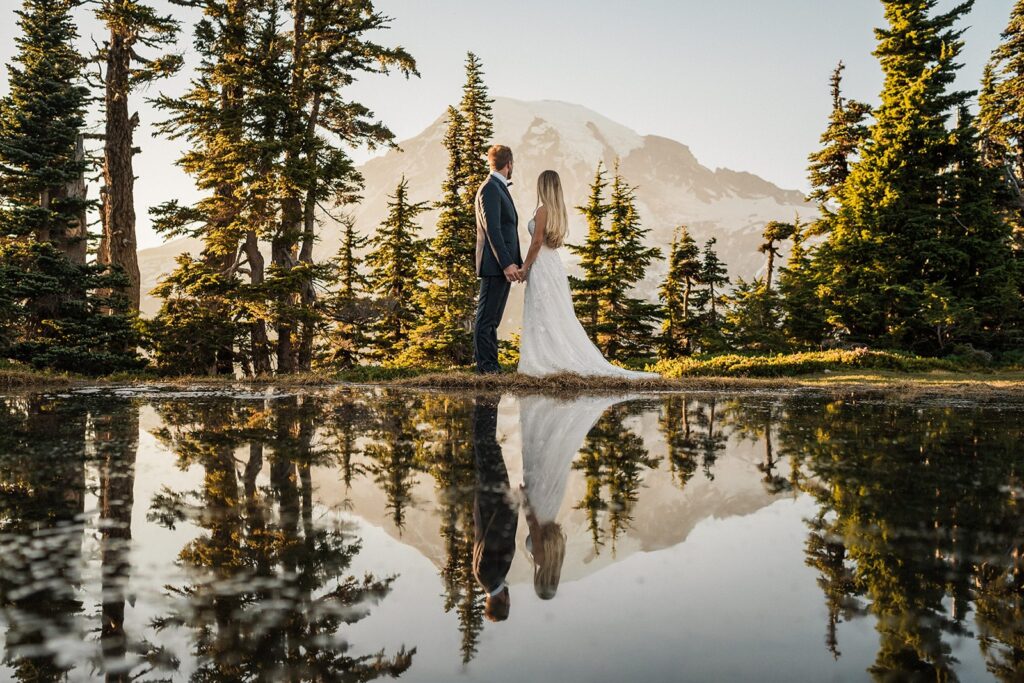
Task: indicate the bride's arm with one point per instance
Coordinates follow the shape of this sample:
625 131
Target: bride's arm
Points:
541 219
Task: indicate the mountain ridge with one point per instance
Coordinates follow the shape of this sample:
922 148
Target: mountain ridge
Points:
672 187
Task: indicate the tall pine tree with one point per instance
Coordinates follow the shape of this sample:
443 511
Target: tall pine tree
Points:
590 288
626 320
1001 116
393 262
479 129
444 333
709 300
830 166
891 251
55 307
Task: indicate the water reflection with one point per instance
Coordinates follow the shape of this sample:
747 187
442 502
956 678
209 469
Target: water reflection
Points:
213 537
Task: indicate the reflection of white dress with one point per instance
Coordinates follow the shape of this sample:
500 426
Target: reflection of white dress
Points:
553 431
553 340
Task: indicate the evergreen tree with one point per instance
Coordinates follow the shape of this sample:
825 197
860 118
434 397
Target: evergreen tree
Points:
830 166
626 321
197 324
56 309
210 117
329 47
589 289
676 291
479 129
132 24
751 321
774 232
348 307
709 299
444 334
1002 115
893 247
270 121
393 277
803 311
975 299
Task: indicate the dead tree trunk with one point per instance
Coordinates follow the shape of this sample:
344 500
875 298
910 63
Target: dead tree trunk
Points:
118 246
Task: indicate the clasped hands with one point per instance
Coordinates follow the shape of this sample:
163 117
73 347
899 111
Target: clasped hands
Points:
516 274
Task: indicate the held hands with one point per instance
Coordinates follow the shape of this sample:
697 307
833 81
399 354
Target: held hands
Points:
515 274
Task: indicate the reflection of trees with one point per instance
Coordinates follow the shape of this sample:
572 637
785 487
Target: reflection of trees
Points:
713 439
115 438
913 510
346 422
1000 607
392 453
445 449
682 442
42 496
271 592
755 421
613 460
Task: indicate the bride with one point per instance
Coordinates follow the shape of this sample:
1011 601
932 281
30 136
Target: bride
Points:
553 340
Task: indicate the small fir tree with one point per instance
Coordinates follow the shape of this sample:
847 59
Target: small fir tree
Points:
709 299
393 275
348 307
626 320
676 292
803 311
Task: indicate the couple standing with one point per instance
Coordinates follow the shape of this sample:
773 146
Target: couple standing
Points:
553 340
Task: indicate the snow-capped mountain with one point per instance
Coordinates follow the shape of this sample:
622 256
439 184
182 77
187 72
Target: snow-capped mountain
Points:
673 188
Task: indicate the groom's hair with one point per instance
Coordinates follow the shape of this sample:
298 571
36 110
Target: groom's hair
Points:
499 156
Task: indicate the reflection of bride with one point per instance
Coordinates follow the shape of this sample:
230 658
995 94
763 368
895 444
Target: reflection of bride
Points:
552 431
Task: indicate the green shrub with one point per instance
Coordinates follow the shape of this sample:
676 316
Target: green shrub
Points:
797 364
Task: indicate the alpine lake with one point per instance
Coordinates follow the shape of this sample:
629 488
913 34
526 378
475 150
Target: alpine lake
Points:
217 534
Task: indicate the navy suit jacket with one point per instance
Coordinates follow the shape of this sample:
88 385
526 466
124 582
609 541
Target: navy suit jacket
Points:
497 229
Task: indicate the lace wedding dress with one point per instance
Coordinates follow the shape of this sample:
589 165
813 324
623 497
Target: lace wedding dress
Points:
553 431
553 340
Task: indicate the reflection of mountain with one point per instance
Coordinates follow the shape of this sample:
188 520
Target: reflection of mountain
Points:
663 516
673 187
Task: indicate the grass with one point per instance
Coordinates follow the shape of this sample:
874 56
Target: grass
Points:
16 376
827 370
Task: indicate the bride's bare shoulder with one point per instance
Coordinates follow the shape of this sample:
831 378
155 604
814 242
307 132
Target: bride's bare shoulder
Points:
541 212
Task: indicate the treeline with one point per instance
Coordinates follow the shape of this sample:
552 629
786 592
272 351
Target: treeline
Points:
917 246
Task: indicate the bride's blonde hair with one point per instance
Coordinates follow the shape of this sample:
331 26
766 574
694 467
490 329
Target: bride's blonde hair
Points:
548 556
549 194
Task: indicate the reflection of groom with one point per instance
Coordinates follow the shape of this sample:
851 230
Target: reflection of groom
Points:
495 517
498 259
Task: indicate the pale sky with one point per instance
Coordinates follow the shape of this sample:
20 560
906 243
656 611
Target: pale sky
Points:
744 83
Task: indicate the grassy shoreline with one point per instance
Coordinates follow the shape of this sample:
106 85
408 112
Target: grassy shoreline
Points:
1000 382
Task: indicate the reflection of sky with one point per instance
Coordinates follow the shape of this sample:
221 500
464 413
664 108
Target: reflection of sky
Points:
732 601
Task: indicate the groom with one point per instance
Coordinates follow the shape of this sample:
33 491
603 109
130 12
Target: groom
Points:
498 260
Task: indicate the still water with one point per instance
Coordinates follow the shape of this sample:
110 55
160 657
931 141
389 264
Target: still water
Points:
352 535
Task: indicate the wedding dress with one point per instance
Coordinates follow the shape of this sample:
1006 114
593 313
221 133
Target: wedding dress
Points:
553 340
553 431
